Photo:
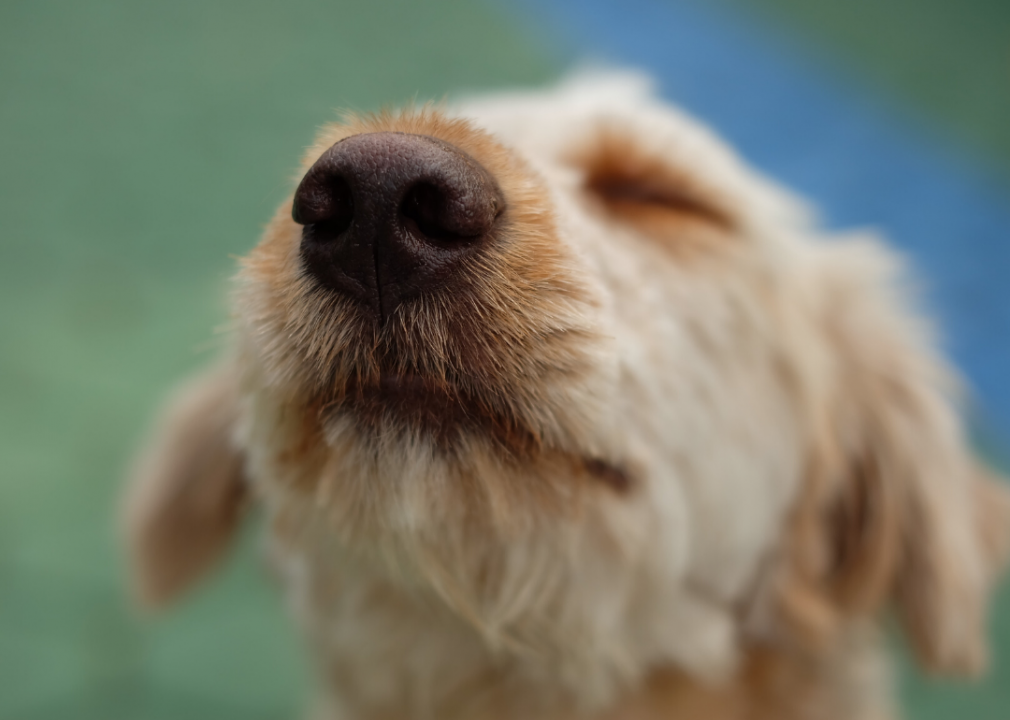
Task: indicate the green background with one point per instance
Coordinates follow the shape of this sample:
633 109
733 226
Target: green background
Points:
142 147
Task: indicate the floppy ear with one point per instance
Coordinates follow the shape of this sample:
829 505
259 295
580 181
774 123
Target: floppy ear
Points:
896 510
187 492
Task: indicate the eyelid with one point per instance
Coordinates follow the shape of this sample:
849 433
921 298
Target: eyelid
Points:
633 179
629 191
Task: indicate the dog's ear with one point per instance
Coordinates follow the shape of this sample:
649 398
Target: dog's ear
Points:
896 510
186 495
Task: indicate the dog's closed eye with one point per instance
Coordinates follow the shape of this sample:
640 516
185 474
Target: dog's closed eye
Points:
639 184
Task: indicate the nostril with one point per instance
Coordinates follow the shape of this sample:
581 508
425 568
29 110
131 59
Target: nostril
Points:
326 204
449 214
433 215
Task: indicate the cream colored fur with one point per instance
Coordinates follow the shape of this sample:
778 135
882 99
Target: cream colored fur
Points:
787 440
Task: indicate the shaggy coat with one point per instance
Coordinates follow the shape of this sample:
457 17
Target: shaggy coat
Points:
660 449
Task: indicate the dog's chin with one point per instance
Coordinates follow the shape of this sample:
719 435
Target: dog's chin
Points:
430 409
407 401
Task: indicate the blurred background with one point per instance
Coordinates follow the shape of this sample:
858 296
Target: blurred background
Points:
144 145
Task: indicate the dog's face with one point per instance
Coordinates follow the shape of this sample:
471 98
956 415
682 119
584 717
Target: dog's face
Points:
562 360
436 284
418 288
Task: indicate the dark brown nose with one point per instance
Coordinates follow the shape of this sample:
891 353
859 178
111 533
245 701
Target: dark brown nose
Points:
388 216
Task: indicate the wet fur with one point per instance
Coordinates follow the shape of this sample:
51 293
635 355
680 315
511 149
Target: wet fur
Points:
662 450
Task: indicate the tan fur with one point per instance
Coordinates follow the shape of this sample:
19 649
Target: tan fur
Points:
681 451
187 491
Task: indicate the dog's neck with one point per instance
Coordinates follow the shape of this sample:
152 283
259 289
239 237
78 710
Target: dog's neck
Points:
388 651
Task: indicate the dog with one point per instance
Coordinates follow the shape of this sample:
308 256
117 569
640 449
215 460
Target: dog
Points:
555 409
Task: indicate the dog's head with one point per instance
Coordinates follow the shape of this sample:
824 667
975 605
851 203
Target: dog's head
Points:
570 353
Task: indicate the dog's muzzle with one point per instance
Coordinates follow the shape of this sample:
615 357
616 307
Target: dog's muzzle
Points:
389 216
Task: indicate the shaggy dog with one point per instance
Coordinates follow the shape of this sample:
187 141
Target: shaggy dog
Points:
557 410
